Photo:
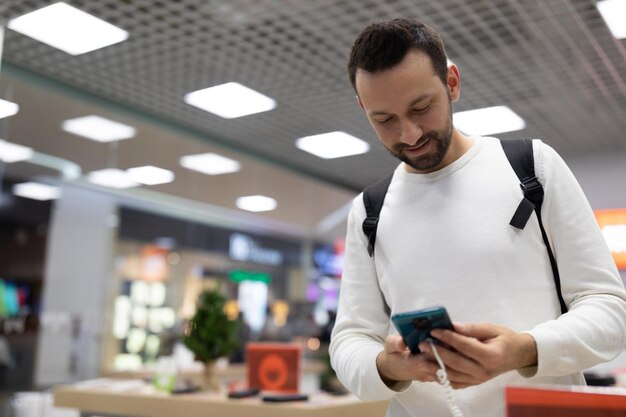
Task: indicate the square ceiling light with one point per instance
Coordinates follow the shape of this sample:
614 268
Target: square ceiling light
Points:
210 163
98 128
68 29
256 203
332 145
230 100
8 108
36 191
10 152
112 178
150 175
614 14
488 121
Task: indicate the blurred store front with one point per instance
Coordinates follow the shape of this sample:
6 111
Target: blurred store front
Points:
116 293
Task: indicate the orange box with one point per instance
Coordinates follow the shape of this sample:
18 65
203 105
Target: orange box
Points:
576 401
613 225
274 366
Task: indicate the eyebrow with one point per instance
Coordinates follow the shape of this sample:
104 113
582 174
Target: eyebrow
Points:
414 102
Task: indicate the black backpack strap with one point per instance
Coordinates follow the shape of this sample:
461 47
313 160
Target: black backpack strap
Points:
373 198
520 156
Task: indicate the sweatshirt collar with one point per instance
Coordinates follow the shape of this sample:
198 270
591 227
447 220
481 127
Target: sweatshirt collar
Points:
402 174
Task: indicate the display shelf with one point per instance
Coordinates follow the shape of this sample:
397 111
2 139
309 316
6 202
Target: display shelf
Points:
97 401
565 401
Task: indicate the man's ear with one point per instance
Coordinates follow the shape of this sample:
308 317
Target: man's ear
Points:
454 82
358 100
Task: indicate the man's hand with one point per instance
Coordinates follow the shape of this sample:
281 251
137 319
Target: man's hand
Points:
479 352
396 363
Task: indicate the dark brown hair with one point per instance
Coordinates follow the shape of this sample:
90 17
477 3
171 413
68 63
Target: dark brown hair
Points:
383 45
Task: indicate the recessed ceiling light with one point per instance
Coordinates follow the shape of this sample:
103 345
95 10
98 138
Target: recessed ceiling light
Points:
150 175
256 203
230 100
68 29
10 152
488 121
210 163
613 12
332 145
8 108
98 128
113 178
36 191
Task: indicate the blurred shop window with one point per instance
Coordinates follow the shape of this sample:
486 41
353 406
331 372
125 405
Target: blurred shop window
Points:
23 247
261 275
323 286
143 316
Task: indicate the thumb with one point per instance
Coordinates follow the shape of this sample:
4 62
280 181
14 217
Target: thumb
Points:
480 331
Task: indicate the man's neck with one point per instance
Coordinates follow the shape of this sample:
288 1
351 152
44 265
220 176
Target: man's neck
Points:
459 145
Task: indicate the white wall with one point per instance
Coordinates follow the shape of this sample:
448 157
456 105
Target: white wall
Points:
602 177
78 267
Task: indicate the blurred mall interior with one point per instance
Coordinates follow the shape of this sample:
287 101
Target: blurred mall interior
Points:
126 193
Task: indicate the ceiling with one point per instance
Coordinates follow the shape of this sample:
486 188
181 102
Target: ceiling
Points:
554 62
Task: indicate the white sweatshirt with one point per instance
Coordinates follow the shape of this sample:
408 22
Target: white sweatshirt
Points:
444 239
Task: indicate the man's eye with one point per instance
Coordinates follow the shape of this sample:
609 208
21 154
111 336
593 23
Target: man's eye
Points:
384 121
421 110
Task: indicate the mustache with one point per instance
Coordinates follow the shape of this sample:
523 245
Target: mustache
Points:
399 147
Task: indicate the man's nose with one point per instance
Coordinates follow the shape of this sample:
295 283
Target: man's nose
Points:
410 133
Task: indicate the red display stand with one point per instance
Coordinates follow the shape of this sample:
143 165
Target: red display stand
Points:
273 366
568 401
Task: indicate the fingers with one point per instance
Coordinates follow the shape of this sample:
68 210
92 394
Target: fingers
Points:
394 344
476 352
396 363
426 371
494 348
462 372
480 331
469 344
461 367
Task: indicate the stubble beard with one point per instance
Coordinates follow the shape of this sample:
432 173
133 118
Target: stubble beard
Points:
440 142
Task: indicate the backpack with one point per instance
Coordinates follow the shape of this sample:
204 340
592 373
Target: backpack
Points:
520 155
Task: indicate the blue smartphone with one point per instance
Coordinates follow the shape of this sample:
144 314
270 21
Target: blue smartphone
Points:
415 326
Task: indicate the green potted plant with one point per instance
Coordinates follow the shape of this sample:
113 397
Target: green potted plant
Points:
210 334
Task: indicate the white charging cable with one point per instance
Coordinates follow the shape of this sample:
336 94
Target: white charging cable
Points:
442 375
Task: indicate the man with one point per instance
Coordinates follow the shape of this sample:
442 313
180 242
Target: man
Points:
444 239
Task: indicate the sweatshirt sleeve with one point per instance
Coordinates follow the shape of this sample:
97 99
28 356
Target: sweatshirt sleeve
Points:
362 322
594 328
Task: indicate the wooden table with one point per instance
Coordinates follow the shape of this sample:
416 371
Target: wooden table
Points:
100 401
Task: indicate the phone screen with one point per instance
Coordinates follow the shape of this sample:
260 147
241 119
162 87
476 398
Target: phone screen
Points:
415 326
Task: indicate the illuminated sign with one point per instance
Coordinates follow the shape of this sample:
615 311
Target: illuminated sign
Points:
244 248
613 225
239 276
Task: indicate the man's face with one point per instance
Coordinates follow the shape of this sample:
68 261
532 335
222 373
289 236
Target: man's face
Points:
410 109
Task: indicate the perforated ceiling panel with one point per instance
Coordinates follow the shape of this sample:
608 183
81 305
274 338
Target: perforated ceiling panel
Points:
554 62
